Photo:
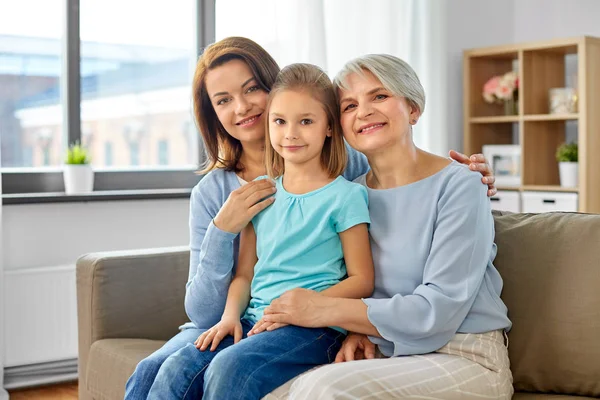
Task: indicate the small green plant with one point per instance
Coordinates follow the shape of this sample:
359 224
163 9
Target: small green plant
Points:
77 154
567 153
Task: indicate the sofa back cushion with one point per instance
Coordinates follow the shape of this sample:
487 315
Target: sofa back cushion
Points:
550 264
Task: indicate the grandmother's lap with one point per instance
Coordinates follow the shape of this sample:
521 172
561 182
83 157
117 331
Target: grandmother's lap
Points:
469 366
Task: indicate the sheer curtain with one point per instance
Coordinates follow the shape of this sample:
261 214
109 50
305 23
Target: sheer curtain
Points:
328 33
3 393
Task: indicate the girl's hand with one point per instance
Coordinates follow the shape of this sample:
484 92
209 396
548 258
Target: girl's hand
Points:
477 162
300 307
356 346
243 204
227 326
263 325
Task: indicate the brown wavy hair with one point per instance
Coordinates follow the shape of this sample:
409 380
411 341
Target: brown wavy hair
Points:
222 149
311 79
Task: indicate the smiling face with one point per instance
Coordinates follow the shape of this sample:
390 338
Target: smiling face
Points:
372 117
298 127
238 100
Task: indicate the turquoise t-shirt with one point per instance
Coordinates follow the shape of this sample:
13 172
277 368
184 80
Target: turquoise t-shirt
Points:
298 243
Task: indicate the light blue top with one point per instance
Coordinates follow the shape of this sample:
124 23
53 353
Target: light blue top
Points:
298 243
213 252
433 247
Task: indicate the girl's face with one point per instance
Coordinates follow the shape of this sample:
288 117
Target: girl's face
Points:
372 117
298 127
238 100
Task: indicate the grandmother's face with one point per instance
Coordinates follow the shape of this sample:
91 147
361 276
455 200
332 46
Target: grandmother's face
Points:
372 117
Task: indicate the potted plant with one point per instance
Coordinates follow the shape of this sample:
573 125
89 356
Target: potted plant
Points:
568 165
78 174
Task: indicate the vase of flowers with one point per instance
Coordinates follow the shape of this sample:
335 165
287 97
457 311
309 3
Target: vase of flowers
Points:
503 89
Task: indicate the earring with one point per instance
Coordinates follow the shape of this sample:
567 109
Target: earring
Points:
414 121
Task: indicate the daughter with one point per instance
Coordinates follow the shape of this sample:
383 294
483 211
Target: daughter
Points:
313 236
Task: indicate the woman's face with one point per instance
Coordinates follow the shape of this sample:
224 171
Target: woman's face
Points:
238 100
372 117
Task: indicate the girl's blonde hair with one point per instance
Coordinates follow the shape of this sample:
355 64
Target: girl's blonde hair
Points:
311 79
222 149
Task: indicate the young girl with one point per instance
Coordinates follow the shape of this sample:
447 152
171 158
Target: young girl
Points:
312 237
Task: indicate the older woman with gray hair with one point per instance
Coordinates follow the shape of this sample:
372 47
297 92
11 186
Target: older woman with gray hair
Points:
435 324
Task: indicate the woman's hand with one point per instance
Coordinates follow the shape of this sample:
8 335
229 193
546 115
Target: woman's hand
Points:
243 204
263 325
300 307
227 326
356 346
477 162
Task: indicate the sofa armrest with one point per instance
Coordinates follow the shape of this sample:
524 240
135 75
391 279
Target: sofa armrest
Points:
130 294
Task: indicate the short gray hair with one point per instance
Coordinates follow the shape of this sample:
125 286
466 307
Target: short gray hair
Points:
394 74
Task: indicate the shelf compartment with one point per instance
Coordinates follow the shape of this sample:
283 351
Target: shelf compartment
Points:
480 69
540 141
488 133
545 69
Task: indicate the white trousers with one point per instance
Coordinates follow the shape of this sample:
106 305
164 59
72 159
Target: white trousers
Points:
470 366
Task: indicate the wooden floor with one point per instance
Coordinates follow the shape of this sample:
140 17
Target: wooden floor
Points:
63 391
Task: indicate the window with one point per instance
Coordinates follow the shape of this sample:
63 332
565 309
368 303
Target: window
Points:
122 78
136 82
45 156
27 156
30 74
134 153
108 154
163 152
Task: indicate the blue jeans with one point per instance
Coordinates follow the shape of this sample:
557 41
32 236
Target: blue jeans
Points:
250 369
139 383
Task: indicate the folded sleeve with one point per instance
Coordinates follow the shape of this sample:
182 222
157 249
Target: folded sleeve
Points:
354 209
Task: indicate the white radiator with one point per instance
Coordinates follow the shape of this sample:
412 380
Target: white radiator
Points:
40 312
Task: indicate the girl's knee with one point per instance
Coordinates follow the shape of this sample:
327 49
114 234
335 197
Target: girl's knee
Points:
225 364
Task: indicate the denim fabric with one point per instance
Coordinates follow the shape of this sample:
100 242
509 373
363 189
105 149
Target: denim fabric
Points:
139 383
250 369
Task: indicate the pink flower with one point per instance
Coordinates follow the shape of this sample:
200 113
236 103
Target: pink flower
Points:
501 87
491 85
504 91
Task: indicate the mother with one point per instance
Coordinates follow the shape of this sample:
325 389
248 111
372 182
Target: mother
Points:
436 315
231 84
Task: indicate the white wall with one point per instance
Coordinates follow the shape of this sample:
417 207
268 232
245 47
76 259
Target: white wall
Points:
479 23
41 243
56 234
471 23
550 19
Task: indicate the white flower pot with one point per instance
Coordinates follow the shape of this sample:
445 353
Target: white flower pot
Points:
569 174
78 178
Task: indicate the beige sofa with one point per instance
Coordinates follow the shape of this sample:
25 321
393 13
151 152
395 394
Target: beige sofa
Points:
129 303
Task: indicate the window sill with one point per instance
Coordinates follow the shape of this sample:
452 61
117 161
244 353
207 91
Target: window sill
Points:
102 195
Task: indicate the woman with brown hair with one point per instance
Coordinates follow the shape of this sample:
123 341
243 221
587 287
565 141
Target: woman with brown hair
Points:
231 85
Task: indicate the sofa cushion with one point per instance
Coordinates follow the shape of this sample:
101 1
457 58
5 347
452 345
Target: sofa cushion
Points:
542 396
550 264
112 361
